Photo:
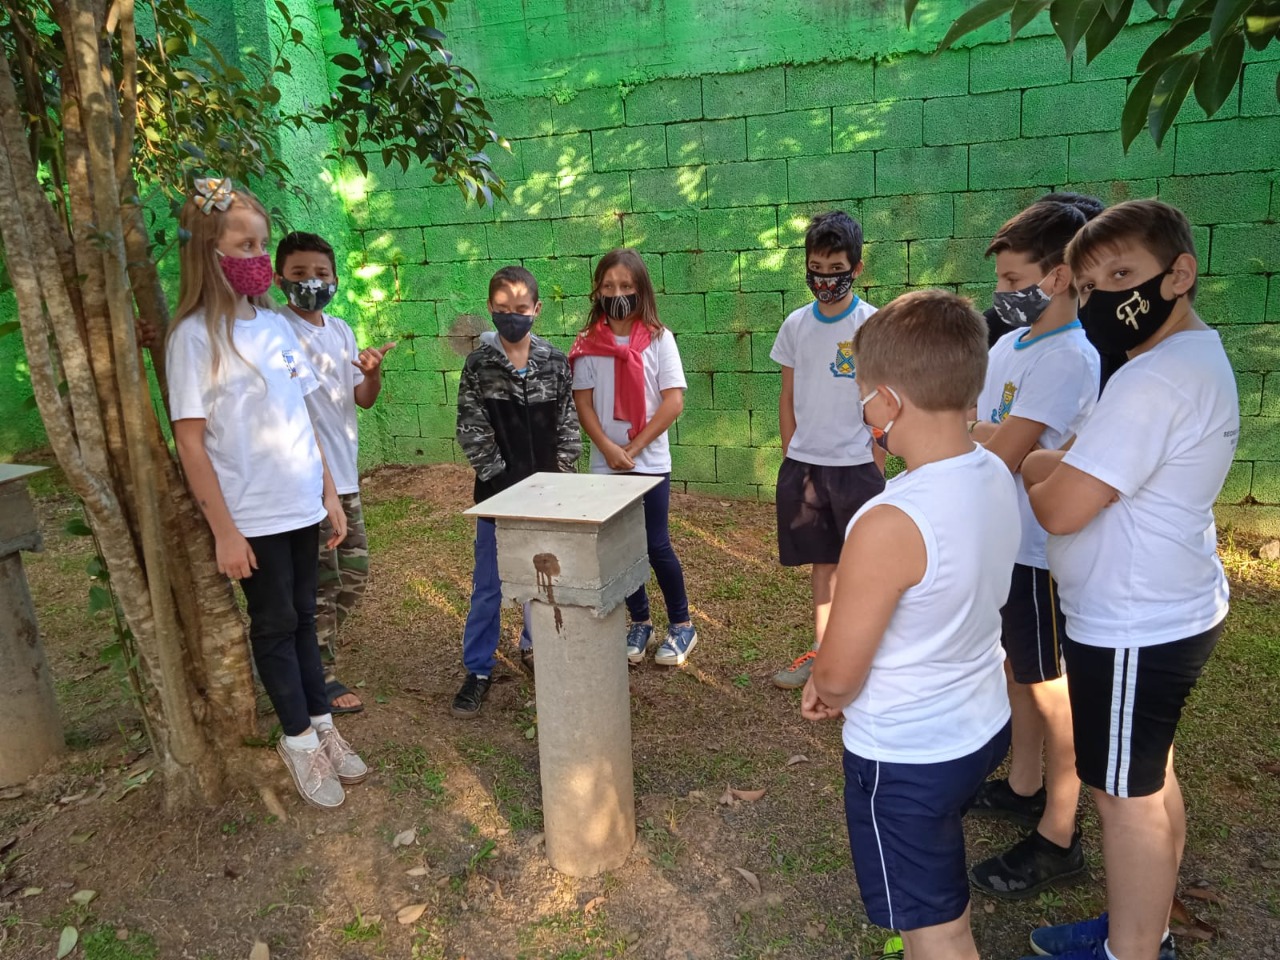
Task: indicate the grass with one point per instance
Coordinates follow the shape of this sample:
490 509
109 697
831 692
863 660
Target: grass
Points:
103 943
360 930
410 771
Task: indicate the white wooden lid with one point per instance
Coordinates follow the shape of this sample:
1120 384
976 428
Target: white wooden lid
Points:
566 497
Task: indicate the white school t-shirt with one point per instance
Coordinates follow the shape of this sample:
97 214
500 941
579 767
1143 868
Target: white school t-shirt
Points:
1052 379
1145 570
662 371
258 433
936 688
829 427
331 350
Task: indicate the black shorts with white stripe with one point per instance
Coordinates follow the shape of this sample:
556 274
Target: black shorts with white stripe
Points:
1032 626
1125 706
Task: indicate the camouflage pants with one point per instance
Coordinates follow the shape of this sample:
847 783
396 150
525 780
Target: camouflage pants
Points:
344 571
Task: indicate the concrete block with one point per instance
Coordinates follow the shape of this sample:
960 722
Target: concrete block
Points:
683 312
587 235
1258 91
932 169
588 110
590 194
401 419
1259 439
537 198
419 450
1253 145
506 163
699 272
1101 156
1114 191
797 133
697 393
753 465
436 354
738 228
1273 299
415 318
673 188
794 218
460 242
1232 299
709 352
411 388
376 209
573 314
724 491
451 380
920 76
707 141
1270 402
719 428
1120 58
1018 163
517 119
557 156
974 118
1233 198
909 216
764 428
516 239
560 277
447 205
772 270
1265 487
662 101
689 462
840 176
886 264
660 232
743 311
747 184
1029 62
830 84
396 246
1236 487
1246 248
1249 390
1252 347
935 262
1072 108
629 148
743 94
876 126
761 346
438 420
753 391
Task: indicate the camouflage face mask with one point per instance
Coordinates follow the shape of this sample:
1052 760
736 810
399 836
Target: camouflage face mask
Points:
1021 308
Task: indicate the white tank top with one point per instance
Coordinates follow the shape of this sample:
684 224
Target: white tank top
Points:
936 689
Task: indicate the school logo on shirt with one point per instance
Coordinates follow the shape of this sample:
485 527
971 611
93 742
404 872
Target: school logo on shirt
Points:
290 363
999 414
843 365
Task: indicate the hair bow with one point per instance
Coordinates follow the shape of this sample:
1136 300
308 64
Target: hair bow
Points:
214 193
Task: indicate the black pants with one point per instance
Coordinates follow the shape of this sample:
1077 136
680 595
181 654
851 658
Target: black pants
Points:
282 625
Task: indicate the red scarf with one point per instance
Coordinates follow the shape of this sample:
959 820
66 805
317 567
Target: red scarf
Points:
628 369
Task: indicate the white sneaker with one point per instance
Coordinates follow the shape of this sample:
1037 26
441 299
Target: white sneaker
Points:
346 762
313 775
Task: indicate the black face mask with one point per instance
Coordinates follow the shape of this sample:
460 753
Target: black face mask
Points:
829 287
1116 321
619 308
512 327
309 295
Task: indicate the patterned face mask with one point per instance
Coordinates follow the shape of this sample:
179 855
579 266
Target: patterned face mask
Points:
1021 308
309 295
248 276
829 287
1116 321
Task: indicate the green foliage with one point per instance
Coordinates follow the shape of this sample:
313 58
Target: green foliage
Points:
1201 49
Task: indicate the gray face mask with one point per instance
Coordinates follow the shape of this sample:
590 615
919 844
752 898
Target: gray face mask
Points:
1021 308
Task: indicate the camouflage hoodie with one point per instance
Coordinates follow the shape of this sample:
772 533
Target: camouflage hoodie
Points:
512 426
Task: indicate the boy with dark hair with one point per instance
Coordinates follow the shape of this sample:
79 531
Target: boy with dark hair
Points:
829 467
1133 545
1042 382
912 653
516 417
307 274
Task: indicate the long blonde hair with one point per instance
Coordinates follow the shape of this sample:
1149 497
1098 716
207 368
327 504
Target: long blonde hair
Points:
202 286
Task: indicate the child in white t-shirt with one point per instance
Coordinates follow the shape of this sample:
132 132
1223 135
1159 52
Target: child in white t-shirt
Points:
307 274
1133 546
237 386
912 654
830 467
628 386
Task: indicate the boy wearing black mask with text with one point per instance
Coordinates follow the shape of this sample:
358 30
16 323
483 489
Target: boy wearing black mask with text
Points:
516 417
830 466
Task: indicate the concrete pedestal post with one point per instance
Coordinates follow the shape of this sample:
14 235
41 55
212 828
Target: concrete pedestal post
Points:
574 544
29 721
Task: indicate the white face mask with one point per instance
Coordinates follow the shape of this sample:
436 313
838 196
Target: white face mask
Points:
879 434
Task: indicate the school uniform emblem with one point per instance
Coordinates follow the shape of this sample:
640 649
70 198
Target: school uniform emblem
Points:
290 363
999 414
843 365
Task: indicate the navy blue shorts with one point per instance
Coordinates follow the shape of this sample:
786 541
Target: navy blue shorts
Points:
906 836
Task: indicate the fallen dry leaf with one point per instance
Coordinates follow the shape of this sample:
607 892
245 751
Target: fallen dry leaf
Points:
417 872
67 941
81 837
32 892
84 897
122 933
749 796
260 951
411 913
989 907
726 798
1270 864
405 838
13 793
273 804
1183 924
797 758
594 904
71 798
752 880
1205 893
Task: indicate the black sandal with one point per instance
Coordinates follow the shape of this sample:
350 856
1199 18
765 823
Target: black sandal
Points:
333 690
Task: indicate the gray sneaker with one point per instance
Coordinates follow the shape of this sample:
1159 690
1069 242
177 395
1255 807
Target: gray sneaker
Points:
346 762
797 675
313 775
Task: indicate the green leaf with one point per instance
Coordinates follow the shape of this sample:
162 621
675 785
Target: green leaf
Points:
1170 91
8 327
972 19
1219 72
76 527
100 599
1173 41
346 61
1024 11
1104 29
67 941
1190 7
1161 7
1138 104
1071 20
1261 29
1113 7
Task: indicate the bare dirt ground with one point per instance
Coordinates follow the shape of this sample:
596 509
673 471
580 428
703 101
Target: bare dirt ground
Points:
328 886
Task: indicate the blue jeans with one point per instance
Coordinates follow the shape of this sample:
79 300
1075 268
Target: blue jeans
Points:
662 558
484 620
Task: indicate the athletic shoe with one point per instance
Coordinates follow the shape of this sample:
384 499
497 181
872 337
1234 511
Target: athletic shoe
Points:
638 637
346 762
893 949
1027 867
526 659
313 775
996 800
676 648
797 675
471 696
1060 941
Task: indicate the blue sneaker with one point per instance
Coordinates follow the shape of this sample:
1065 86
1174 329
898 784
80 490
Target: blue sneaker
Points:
1082 941
675 649
638 637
